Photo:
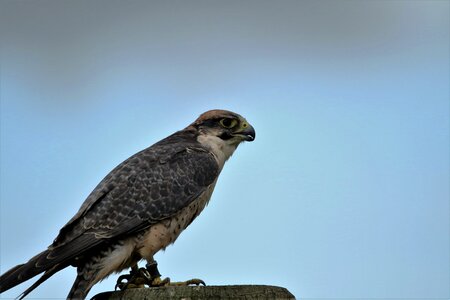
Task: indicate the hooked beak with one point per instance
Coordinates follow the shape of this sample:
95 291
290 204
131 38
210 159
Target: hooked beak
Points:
247 134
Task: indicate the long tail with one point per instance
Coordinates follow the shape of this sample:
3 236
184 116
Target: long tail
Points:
43 278
80 287
23 272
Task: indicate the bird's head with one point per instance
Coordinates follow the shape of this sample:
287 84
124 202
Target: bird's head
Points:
226 125
221 131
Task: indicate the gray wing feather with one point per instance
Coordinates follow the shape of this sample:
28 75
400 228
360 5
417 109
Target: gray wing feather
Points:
150 186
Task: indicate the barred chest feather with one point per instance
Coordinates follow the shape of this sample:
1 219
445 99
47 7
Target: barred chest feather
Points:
161 235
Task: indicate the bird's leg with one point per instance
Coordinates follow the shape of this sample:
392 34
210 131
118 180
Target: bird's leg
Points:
137 278
150 276
123 285
152 268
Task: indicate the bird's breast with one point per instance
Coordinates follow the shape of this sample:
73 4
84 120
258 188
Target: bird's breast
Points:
164 233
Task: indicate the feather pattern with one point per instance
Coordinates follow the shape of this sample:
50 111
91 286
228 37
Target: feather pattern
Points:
140 207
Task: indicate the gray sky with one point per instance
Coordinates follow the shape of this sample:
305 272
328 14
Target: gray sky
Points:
344 193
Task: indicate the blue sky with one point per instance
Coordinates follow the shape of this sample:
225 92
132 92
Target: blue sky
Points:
344 193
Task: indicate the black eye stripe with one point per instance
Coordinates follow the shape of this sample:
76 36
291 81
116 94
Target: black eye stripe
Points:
223 122
225 136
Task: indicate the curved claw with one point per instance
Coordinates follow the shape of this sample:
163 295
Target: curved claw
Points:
195 281
157 282
136 278
121 285
150 276
142 272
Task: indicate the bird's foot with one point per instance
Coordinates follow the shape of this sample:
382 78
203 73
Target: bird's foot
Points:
150 276
193 281
137 278
158 282
152 269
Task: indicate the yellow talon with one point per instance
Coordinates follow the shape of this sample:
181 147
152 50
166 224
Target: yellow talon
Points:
157 282
194 281
160 282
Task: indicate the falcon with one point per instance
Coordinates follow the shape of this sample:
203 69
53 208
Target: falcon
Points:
140 208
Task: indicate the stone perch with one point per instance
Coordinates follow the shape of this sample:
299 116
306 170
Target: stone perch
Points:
218 292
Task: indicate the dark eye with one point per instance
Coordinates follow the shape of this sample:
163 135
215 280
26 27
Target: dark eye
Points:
228 123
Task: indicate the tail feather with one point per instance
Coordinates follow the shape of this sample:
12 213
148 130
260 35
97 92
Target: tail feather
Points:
80 288
46 260
23 272
7 276
43 278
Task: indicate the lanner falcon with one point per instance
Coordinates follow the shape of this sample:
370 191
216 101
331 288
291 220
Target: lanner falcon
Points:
139 208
